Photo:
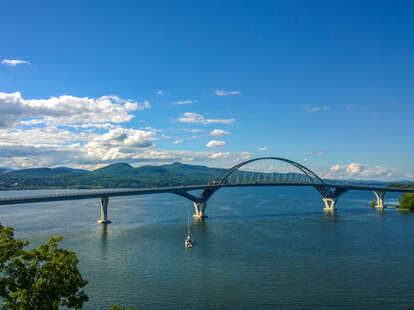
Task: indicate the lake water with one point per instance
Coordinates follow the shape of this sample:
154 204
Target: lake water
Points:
260 248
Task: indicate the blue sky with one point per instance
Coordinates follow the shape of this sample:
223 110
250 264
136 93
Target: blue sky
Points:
326 83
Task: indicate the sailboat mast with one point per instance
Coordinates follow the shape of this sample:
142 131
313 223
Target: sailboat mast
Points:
188 223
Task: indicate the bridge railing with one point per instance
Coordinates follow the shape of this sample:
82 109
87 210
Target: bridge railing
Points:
249 177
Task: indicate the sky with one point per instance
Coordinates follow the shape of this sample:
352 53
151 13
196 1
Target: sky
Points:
328 84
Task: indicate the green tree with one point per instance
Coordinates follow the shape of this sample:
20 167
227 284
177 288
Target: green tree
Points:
43 278
406 201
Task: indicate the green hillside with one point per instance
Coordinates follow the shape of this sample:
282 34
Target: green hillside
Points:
112 176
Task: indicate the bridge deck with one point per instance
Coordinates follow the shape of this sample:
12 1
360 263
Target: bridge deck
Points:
174 189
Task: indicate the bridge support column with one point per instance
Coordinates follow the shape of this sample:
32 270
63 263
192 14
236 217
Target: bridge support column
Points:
104 211
329 204
380 199
199 210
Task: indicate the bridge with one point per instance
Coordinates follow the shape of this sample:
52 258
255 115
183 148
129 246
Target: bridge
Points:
253 172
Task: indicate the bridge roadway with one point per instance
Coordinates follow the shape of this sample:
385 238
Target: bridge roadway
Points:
199 203
175 190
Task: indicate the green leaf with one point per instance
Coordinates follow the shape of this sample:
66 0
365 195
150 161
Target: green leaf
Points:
41 278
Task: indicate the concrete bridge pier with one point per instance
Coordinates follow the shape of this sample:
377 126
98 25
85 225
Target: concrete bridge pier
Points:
329 204
199 210
380 199
104 211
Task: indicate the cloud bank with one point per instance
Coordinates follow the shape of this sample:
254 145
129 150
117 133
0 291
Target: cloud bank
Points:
86 132
366 172
65 110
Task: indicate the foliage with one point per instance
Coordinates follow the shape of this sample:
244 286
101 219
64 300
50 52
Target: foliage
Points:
41 278
401 185
406 201
116 307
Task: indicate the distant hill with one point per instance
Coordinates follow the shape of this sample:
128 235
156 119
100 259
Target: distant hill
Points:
36 172
69 170
112 176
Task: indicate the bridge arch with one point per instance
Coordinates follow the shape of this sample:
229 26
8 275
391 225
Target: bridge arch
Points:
313 177
329 195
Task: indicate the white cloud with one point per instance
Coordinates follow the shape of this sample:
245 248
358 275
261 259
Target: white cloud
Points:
223 155
65 110
127 137
37 137
183 102
336 168
160 93
218 133
189 117
178 141
262 149
245 155
216 143
34 121
165 136
14 62
366 172
221 92
92 125
52 146
312 108
118 143
145 105
195 130
221 121
85 133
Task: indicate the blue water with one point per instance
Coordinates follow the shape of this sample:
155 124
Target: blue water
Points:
260 248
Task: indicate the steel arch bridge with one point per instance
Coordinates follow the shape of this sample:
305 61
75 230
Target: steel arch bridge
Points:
330 192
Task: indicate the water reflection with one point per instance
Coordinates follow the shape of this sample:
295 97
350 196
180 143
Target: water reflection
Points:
104 232
331 215
104 238
405 212
200 224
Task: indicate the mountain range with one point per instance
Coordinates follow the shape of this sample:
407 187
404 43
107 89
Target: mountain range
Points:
119 175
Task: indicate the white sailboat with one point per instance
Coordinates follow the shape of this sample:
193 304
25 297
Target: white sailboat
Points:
188 241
